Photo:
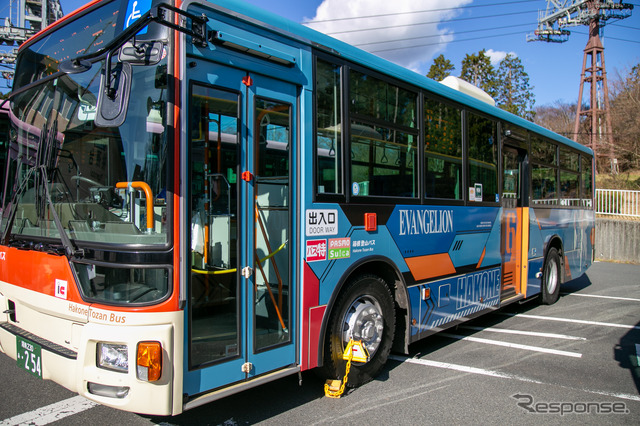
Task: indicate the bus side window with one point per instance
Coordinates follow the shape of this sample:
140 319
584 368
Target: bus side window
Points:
482 167
544 185
329 133
443 150
384 137
586 181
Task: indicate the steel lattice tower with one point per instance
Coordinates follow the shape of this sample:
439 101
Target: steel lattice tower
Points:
551 28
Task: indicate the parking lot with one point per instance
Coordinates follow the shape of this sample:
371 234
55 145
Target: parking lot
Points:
575 361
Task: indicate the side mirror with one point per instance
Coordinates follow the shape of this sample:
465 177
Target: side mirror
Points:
113 98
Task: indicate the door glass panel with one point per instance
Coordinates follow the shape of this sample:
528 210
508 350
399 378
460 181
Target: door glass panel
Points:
271 284
510 178
213 198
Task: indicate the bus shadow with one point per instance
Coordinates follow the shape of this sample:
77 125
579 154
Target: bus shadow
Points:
273 399
626 353
253 405
435 342
576 285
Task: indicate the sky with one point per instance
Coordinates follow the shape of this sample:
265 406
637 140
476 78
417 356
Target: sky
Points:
412 33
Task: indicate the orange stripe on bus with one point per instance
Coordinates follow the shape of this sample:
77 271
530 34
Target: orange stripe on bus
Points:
484 251
435 265
524 260
567 269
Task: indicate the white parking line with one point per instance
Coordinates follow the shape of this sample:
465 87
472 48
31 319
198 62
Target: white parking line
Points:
492 373
603 324
51 413
512 345
461 368
631 299
522 332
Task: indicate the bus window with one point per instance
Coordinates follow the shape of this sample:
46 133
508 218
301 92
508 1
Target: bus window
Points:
383 162
569 178
543 185
569 187
272 287
383 157
108 184
586 181
543 151
329 136
443 150
213 198
4 144
379 100
569 160
483 158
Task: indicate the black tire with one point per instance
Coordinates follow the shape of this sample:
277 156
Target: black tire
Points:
551 277
366 301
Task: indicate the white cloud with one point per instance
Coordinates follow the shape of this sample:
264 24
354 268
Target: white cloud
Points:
497 56
409 39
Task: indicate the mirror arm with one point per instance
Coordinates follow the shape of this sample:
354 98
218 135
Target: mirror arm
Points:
109 91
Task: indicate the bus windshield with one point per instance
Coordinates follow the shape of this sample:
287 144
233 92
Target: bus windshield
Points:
106 184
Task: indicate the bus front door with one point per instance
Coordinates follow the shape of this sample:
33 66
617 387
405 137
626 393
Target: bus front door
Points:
239 310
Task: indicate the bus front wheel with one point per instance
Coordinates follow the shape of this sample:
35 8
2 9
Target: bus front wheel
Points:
551 277
363 311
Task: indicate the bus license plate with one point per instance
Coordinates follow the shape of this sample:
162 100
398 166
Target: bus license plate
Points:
29 356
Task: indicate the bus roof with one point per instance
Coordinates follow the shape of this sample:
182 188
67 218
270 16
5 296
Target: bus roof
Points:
276 23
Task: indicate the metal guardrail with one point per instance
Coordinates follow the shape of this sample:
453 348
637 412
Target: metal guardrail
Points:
618 202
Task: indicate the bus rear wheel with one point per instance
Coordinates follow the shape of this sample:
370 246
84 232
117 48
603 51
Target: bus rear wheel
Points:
551 278
364 311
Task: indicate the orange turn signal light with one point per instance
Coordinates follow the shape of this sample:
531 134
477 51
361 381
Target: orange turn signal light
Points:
149 361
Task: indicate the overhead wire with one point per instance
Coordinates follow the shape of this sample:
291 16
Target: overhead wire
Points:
624 26
608 37
444 9
439 35
457 32
440 22
432 22
452 41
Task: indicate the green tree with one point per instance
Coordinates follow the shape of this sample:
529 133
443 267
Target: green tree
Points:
477 70
514 94
440 69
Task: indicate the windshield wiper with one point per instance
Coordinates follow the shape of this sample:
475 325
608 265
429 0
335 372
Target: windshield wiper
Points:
69 248
46 161
13 206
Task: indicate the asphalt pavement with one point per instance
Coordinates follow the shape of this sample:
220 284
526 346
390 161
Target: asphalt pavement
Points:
572 362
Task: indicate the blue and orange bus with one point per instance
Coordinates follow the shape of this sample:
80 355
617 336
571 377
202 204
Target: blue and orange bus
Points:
203 197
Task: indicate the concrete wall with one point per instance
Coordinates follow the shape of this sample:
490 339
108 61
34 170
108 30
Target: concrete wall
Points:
618 240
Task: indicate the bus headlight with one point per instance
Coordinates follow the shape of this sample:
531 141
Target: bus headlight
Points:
149 361
113 357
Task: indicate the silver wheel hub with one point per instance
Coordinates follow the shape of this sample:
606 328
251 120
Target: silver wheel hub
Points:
363 321
552 277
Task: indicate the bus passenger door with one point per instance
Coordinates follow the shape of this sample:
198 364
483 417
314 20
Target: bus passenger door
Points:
239 310
271 111
515 222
